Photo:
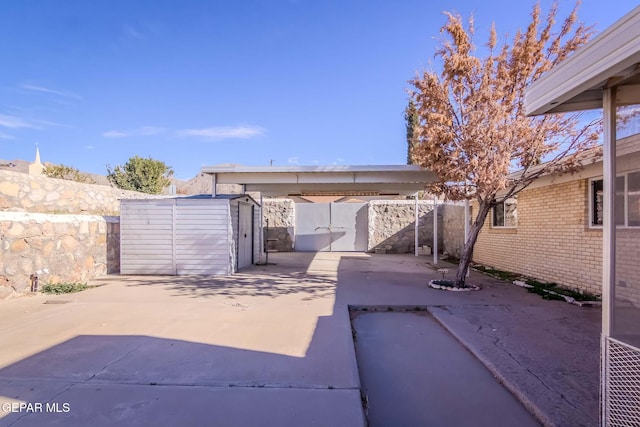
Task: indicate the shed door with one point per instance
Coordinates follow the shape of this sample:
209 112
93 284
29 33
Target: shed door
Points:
245 235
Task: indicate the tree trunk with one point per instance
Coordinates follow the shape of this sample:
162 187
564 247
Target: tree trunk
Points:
467 252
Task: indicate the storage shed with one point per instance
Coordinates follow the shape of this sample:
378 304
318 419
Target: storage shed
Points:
189 235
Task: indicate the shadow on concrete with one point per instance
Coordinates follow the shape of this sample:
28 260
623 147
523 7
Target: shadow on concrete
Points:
93 376
145 380
241 284
548 349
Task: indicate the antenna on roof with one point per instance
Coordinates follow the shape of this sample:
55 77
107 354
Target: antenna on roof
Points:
271 162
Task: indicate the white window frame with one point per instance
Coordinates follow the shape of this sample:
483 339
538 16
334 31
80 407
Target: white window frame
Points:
625 199
504 215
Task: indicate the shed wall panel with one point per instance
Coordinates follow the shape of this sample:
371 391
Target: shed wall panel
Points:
146 237
179 236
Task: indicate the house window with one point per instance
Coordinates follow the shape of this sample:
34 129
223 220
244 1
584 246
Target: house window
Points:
627 201
597 202
505 214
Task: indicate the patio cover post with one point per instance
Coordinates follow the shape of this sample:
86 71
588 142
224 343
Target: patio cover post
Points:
213 185
609 223
416 227
435 230
466 225
262 247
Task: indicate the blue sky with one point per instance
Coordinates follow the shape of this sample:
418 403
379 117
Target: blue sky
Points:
196 83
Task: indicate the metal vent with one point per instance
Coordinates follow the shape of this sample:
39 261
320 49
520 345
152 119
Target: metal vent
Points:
622 385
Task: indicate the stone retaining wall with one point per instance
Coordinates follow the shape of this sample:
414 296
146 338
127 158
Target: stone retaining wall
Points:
281 217
391 225
60 248
20 192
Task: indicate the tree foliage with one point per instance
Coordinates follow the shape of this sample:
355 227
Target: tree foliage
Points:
412 123
67 172
473 131
141 174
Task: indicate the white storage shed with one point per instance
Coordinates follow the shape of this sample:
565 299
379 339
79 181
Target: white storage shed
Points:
189 235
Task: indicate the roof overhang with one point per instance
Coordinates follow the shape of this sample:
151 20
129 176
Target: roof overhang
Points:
325 180
610 59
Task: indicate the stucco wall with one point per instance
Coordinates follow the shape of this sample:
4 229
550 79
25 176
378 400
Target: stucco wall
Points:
60 248
452 229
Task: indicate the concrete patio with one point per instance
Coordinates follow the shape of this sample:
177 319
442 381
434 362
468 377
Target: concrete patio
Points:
272 345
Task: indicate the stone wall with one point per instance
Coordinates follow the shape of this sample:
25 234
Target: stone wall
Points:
55 227
281 214
391 225
20 192
60 248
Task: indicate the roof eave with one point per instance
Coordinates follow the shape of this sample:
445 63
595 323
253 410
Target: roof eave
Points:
612 54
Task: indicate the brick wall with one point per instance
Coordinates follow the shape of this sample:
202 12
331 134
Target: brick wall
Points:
628 266
552 241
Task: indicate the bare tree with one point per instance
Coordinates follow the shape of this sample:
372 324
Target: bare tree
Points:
473 131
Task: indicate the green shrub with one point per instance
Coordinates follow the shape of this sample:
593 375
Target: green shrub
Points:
63 288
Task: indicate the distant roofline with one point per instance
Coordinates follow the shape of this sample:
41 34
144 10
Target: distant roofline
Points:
311 169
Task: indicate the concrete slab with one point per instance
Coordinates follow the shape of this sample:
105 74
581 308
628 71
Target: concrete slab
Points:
547 355
278 327
108 405
415 373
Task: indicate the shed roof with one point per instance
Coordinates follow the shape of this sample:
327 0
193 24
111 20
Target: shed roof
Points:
343 180
611 58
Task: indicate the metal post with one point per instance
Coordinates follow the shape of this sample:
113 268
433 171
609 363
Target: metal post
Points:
416 228
213 185
609 223
435 230
608 238
466 225
263 249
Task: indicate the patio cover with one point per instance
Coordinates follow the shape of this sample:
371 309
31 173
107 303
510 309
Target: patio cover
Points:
394 180
337 180
610 59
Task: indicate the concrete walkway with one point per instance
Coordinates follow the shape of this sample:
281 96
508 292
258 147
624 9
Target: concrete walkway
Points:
271 345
